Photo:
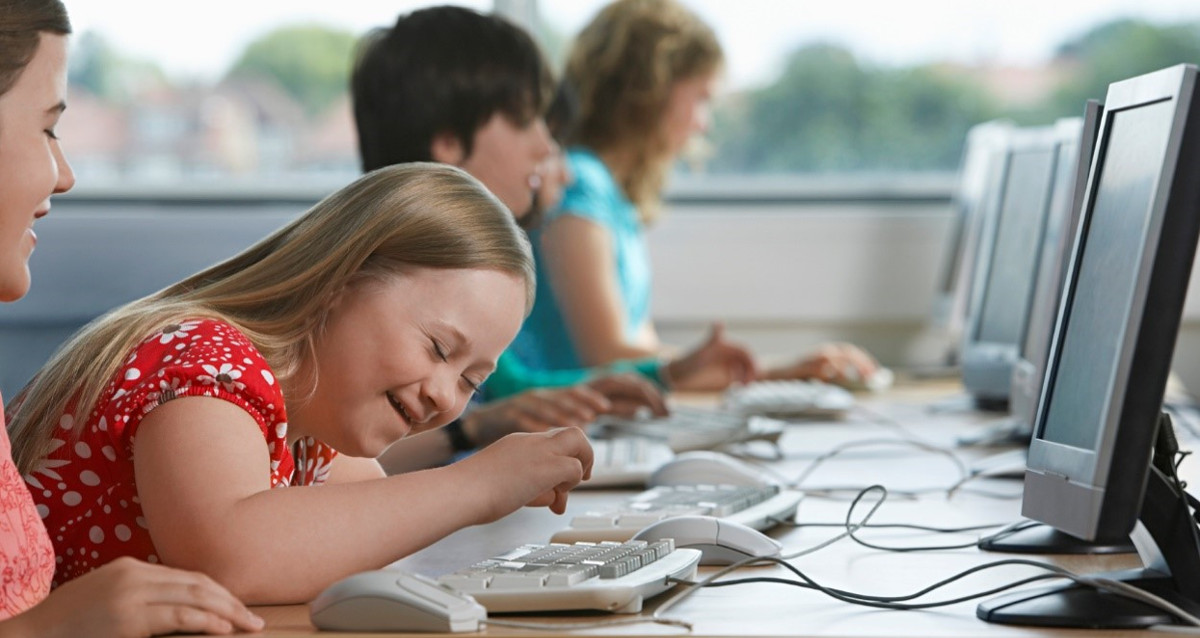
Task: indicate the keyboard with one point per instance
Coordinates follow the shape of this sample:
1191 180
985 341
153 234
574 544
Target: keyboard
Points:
626 461
790 399
613 577
692 428
756 507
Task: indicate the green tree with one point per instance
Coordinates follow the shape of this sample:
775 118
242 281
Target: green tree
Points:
1117 50
829 112
98 67
310 62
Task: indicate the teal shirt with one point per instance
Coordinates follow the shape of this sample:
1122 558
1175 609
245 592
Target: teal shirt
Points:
512 376
544 342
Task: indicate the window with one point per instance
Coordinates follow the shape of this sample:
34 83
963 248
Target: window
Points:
254 92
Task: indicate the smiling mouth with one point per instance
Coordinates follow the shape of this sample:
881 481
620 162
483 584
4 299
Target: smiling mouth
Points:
399 408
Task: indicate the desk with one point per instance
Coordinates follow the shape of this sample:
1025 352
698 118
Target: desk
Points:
780 610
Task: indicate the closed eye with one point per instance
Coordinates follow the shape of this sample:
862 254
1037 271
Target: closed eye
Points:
50 132
439 350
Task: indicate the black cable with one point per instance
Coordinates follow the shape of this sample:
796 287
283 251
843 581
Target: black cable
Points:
898 602
919 528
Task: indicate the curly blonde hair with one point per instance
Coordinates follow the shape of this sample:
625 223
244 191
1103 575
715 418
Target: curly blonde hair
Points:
622 68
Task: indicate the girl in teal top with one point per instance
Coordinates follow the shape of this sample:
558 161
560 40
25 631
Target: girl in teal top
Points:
545 341
643 72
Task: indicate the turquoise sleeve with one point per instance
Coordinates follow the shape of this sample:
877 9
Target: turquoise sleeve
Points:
512 376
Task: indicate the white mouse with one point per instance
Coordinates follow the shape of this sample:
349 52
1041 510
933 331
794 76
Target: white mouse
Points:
390 600
702 467
720 541
878 381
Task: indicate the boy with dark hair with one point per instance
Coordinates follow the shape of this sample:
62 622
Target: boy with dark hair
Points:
452 85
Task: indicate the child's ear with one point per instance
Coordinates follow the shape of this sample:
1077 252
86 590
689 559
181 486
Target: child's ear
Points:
447 149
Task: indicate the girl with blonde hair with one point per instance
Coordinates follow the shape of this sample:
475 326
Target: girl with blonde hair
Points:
189 427
643 73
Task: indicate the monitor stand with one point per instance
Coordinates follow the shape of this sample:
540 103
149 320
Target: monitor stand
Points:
1168 540
1010 431
1029 537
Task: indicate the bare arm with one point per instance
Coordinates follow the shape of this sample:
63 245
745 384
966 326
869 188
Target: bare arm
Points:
349 469
418 452
201 467
578 256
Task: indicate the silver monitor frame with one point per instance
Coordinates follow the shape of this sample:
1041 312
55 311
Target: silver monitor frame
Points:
1096 493
988 361
1079 139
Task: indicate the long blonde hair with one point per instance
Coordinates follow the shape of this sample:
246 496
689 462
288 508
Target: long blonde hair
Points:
279 291
622 67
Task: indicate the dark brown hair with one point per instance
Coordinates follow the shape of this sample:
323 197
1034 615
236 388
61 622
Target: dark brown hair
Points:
21 24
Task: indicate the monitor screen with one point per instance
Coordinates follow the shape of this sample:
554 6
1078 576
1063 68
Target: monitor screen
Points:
1089 472
1122 302
1010 274
1099 313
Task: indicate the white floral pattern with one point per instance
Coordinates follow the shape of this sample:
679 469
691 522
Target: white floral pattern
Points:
89 486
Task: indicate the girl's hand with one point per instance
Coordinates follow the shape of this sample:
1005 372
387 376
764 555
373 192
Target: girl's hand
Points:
714 365
628 392
534 411
840 363
537 469
128 598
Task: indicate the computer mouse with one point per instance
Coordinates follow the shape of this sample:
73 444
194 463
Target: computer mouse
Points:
720 541
390 600
703 467
878 381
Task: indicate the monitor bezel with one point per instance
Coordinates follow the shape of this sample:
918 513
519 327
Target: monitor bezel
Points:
976 188
988 363
1096 494
1026 384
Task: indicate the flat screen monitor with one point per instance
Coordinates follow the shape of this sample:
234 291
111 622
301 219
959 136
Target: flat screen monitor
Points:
1008 260
1089 469
1077 141
977 189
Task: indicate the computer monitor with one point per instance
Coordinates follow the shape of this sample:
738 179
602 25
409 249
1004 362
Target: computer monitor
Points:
1089 470
1007 262
1077 141
979 174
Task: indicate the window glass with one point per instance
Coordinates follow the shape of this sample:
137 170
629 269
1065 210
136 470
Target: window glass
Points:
254 92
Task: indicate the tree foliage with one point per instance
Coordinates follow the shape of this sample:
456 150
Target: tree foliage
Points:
829 111
310 62
97 66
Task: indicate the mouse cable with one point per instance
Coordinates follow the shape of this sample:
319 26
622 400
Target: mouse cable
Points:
597 624
851 528
901 602
906 442
876 417
958 487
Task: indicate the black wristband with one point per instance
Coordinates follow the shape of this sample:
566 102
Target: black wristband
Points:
458 438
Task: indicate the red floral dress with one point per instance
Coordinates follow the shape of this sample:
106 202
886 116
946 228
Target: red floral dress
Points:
26 555
85 489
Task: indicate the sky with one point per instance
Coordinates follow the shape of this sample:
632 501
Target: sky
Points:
756 34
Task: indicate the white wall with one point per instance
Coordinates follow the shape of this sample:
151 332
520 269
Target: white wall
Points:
786 277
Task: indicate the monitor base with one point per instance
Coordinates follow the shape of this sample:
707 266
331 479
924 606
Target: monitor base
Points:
1085 607
1035 538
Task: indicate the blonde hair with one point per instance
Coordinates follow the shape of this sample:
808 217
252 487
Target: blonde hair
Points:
279 291
622 67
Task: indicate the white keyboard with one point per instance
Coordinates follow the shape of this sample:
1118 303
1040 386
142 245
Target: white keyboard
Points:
625 461
790 399
757 507
691 428
607 576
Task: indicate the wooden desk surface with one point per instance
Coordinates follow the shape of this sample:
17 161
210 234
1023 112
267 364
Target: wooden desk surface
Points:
781 610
